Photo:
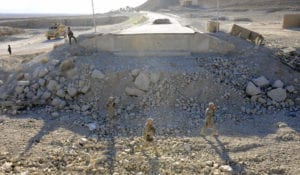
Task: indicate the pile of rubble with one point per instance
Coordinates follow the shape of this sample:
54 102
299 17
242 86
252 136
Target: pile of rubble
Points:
290 56
269 95
52 82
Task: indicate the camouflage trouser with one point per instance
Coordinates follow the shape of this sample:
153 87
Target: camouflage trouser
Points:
209 123
70 37
150 143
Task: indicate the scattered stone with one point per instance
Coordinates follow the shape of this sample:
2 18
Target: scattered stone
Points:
59 103
98 74
252 90
187 148
1 82
262 100
135 72
278 94
261 81
92 126
46 95
55 114
134 92
278 84
281 125
154 77
297 101
72 91
142 82
52 85
85 89
209 163
42 72
42 82
226 168
19 89
61 93
67 65
23 83
84 108
290 89
7 166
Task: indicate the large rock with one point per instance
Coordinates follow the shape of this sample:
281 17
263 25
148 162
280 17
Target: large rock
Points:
290 89
142 82
278 84
226 168
61 93
278 94
58 103
19 89
40 72
42 82
46 95
133 92
85 89
72 91
67 65
1 82
135 72
154 77
252 90
23 83
261 81
98 74
52 85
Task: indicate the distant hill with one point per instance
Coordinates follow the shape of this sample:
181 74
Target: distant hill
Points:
250 4
158 4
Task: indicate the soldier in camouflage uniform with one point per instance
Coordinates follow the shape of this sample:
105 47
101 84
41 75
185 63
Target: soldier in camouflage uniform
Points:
71 35
149 132
110 107
209 119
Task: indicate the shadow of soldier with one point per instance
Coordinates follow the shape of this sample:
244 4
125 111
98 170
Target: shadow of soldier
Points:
220 149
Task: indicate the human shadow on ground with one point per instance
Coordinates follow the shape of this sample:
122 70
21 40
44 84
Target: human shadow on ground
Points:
220 149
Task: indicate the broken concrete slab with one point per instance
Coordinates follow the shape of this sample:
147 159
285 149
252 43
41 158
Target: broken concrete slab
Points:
247 34
158 44
291 21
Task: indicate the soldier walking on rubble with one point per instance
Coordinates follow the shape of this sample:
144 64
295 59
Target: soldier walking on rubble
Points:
209 119
110 107
9 49
149 132
71 35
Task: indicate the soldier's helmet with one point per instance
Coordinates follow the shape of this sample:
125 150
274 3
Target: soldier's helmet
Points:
149 121
211 105
111 101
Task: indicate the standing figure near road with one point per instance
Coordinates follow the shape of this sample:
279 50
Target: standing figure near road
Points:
149 130
209 119
71 35
9 49
111 107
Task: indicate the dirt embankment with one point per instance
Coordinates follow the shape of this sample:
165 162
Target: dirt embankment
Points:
243 5
72 21
6 31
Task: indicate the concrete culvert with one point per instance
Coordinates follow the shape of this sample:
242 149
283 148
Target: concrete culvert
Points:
162 21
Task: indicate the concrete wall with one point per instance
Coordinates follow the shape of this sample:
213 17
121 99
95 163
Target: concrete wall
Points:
291 20
158 44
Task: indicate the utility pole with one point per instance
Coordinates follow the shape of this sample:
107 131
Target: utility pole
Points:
94 16
218 17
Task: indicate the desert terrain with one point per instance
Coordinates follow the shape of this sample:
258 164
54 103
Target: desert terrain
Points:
54 117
